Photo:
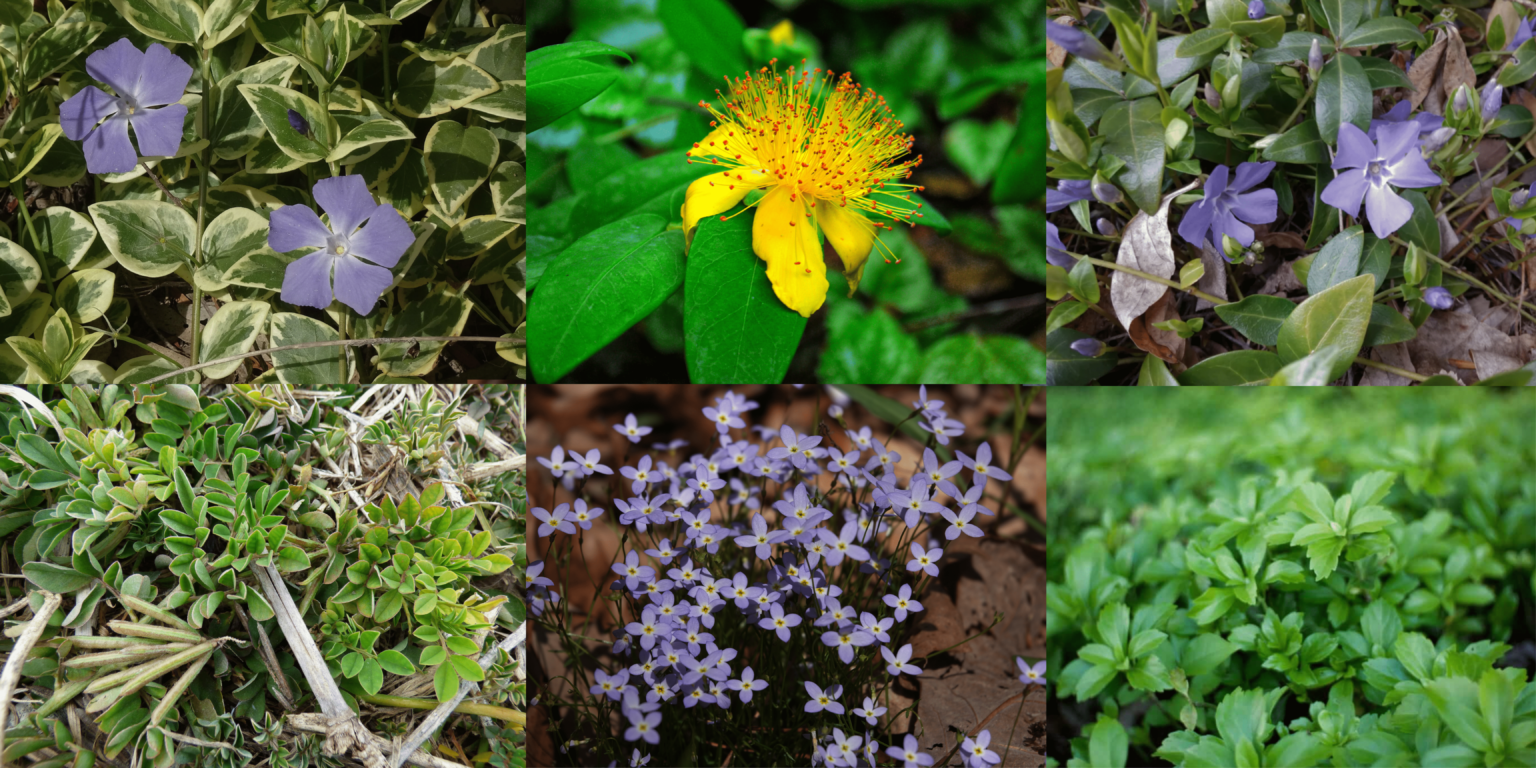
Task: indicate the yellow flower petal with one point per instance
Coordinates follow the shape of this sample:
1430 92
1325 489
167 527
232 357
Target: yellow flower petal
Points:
717 193
784 235
783 33
850 234
726 142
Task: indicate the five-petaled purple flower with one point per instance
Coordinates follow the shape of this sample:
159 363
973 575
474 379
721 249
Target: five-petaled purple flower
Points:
1438 297
343 247
1428 122
1395 159
823 699
903 602
976 753
1055 252
910 753
898 663
846 640
1031 674
632 430
923 560
779 621
746 684
1227 206
761 538
1066 193
148 86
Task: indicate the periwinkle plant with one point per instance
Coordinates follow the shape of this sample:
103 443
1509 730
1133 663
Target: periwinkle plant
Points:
774 564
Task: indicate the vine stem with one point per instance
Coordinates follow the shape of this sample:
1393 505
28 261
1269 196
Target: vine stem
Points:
341 343
20 193
1154 278
1369 363
202 207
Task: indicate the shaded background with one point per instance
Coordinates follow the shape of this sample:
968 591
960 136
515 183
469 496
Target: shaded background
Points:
924 59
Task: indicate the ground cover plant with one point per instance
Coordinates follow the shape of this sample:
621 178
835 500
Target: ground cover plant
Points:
1291 192
1293 580
191 246
816 589
745 192
262 575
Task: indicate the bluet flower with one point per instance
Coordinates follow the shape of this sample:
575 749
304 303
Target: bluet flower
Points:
869 711
632 430
898 663
1031 674
823 700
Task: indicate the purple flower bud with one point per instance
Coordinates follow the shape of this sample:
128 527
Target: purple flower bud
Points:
1212 98
1462 100
1256 9
1493 98
1436 139
1105 191
1517 200
298 122
1079 43
1315 58
1105 227
1087 347
1437 297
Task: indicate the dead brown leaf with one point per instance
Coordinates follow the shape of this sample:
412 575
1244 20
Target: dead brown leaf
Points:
1452 335
1457 70
1156 341
1214 281
1391 354
1288 240
1422 73
1525 99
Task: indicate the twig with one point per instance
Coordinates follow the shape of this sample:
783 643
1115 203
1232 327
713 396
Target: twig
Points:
490 469
15 607
199 742
284 694
178 201
12 673
312 723
435 720
339 343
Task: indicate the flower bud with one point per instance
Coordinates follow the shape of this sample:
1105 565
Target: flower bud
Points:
1212 99
1315 59
1463 99
1517 200
1232 92
1079 43
1436 139
1105 192
1106 228
1231 247
1256 9
1437 297
1088 347
1493 98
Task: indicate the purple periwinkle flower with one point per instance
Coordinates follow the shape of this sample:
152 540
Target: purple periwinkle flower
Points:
1256 9
1031 674
1227 206
1087 347
976 753
1438 297
910 753
823 700
1066 193
1055 251
898 663
1523 31
1492 98
359 258
148 85
632 430
1079 43
1394 160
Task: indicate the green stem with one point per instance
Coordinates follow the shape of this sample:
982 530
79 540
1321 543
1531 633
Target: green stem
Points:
20 192
202 207
1300 105
1369 363
384 48
324 92
1154 278
141 345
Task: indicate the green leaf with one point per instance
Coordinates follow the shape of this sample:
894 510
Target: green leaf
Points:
445 682
1065 367
458 161
1154 373
236 128
1456 698
232 331
1343 96
1387 29
1223 13
922 213
1300 144
35 149
1145 642
396 663
66 235
968 358
1380 624
14 12
1098 653
467 668
1387 326
1339 260
55 578
708 31
558 87
223 19
1203 41
475 235
735 329
1421 229
868 347
85 294
1108 743
1243 715
368 134
271 104
1064 313
1094 681
1205 653
292 559
173 21
508 189
1523 69
1416 654
599 287
1021 174
371 677
581 49
235 234
431 88
1114 625
1473 594
1258 317
1343 16
441 312
644 187
1263 33
149 238
1133 132
1497 695
56 47
1231 369
1294 46
1370 520
1325 556
1084 281
305 367
977 147
1335 318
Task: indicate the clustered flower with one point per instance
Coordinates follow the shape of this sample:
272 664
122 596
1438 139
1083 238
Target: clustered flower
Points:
671 652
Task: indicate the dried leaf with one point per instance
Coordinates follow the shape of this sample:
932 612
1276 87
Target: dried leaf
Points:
1147 246
1457 69
1491 364
1214 281
1452 335
1422 73
1448 238
1288 240
1391 354
1155 341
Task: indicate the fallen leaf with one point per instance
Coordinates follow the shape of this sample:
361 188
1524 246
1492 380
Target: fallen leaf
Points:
1492 363
1288 240
1525 99
1281 281
1457 70
1452 335
1156 341
1214 281
1391 354
1148 246
1422 74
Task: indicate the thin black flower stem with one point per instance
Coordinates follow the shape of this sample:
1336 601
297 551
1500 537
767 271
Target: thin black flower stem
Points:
156 179
202 207
341 343
21 198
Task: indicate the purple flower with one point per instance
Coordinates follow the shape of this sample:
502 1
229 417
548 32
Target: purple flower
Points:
1066 193
976 753
761 538
1031 674
1523 31
746 684
983 463
724 419
845 641
903 602
779 621
1428 122
823 699
298 122
534 579
632 430
913 503
553 521
799 450
640 474
145 84
584 516
1226 207
869 711
556 462
591 464
1080 43
1055 252
1394 160
876 627
910 753
925 561
1438 297
644 727
897 664
634 573
343 247
1256 9
960 524
842 545
1087 347
1492 99
611 686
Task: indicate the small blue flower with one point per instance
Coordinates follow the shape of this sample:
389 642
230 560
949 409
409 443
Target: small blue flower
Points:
746 685
1031 674
1226 206
1256 9
1438 297
1079 43
298 123
364 240
1087 347
823 700
1066 193
976 753
632 430
898 664
779 621
926 561
869 711
910 753
1055 252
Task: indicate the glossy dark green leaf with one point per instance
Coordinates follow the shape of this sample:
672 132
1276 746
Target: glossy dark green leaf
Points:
1388 326
1387 29
1294 46
599 287
1343 16
1523 69
557 87
1300 144
1334 320
1383 74
1421 229
867 347
1343 96
1257 317
1065 367
644 187
1338 261
1232 369
1133 132
1208 40
735 329
709 31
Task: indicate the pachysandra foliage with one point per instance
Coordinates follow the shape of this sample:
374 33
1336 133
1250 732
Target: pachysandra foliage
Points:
1346 601
178 129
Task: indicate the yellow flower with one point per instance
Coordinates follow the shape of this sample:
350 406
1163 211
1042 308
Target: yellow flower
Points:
823 149
783 33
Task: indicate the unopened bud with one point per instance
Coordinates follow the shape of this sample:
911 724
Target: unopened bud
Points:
1517 200
1438 297
1232 92
1105 227
1104 191
1212 99
1088 347
1315 58
1231 247
1463 99
1493 98
1256 9
1436 139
